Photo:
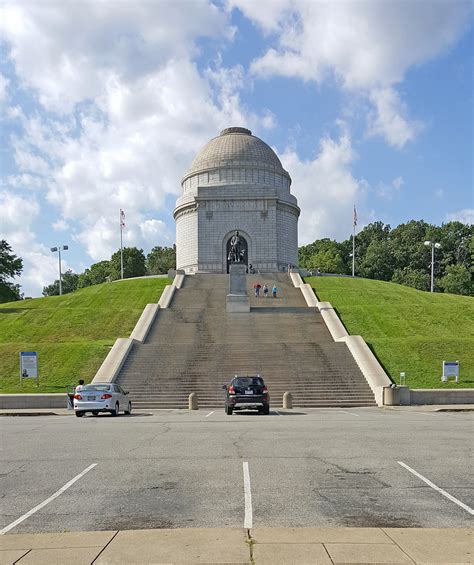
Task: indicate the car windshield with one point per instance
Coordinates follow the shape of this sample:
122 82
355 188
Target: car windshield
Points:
248 381
98 388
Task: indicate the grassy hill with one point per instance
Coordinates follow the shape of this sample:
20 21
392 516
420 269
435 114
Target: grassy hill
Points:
408 330
72 333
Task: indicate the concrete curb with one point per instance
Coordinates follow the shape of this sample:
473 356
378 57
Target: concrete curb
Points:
278 546
333 322
114 361
142 327
375 376
32 401
167 296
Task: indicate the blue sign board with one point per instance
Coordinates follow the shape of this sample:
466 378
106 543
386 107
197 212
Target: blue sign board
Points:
28 364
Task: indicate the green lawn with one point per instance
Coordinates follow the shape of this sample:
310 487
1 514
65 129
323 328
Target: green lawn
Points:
72 334
408 330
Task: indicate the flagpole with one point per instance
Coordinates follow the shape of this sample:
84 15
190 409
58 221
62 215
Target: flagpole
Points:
353 247
121 245
354 223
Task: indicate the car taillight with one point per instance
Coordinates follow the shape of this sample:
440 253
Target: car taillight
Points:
265 390
231 390
78 397
105 396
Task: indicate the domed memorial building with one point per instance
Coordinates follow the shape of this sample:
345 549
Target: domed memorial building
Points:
236 183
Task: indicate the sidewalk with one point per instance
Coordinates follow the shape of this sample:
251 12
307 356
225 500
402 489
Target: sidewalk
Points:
412 408
259 546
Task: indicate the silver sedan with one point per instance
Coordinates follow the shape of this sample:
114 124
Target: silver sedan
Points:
101 397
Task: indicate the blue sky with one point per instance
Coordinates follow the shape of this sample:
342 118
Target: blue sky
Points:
104 105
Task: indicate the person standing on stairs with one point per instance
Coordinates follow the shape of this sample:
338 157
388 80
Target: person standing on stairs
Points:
274 291
265 291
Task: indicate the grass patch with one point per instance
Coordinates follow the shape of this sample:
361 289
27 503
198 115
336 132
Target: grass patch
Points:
408 330
72 334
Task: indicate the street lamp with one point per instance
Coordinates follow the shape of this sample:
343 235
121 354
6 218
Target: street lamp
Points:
59 249
433 246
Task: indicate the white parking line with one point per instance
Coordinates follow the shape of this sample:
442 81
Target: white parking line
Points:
277 413
351 413
207 415
47 501
440 490
248 497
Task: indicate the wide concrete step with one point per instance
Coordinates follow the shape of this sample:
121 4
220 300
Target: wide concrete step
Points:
196 346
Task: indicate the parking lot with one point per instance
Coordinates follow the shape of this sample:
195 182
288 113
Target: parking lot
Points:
358 467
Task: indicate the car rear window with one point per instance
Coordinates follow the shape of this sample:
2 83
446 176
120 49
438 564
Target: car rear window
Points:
248 381
99 388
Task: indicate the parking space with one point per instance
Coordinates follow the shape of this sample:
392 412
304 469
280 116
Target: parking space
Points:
168 469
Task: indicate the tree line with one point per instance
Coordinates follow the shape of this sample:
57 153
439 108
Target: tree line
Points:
399 255
135 264
381 252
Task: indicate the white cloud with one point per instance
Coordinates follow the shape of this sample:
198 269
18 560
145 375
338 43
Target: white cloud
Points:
325 188
4 82
127 111
39 266
466 216
68 52
388 191
366 46
389 118
60 225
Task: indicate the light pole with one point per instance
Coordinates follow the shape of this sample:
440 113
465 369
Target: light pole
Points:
433 246
59 249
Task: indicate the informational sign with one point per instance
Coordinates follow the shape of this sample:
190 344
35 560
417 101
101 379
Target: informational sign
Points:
28 365
450 369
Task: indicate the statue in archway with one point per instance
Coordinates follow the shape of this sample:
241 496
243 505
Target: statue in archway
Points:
237 251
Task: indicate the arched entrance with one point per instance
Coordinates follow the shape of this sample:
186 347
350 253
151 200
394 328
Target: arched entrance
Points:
243 249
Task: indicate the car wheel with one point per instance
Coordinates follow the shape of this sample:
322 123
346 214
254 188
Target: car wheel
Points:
129 410
79 414
266 410
228 411
95 412
116 411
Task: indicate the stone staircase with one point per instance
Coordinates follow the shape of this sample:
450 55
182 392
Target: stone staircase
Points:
196 346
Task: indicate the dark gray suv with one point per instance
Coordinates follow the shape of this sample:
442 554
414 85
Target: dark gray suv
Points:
247 393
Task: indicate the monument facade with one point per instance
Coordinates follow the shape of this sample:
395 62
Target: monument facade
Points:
236 183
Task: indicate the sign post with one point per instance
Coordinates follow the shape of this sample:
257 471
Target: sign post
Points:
29 366
450 369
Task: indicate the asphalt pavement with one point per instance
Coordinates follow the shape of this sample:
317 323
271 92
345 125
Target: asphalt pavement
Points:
325 468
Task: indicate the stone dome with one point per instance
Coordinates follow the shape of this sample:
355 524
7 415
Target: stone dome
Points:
235 146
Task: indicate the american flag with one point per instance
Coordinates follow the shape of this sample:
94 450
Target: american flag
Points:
355 216
122 218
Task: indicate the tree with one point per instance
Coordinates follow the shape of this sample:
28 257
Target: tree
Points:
412 277
97 273
10 266
328 261
378 261
457 280
455 238
133 263
408 245
323 254
9 292
160 260
70 283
